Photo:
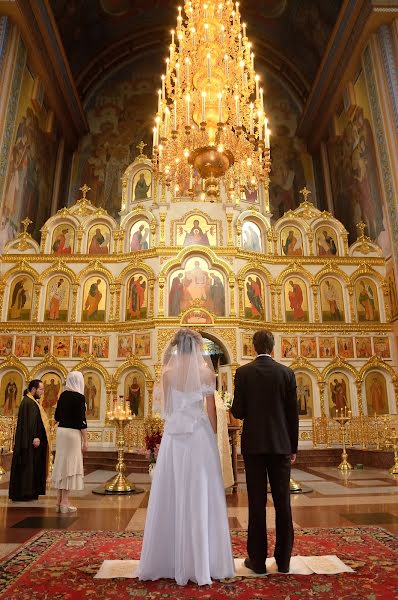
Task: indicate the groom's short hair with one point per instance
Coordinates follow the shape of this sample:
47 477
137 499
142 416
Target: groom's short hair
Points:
263 341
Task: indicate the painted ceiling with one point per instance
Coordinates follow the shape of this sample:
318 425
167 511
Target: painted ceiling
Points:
94 31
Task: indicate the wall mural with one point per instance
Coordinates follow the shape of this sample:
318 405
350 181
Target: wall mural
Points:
304 395
247 346
363 347
52 390
10 393
332 303
196 283
345 347
80 346
92 394
196 232
94 299
42 346
29 179
134 392
5 345
61 346
296 304
100 346
339 393
124 346
137 297
289 347
376 394
23 345
142 185
326 242
20 299
63 239
251 237
327 347
367 302
308 347
57 300
381 347
254 297
139 236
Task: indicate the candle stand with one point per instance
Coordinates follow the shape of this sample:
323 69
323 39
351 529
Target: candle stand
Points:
342 418
392 440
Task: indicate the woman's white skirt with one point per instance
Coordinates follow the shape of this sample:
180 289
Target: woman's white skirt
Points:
68 471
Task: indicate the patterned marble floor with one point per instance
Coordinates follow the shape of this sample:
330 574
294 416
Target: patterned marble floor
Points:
363 497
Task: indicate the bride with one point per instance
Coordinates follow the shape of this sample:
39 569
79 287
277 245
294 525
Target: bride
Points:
186 533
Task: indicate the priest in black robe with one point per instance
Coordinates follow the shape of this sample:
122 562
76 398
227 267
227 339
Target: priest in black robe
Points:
30 457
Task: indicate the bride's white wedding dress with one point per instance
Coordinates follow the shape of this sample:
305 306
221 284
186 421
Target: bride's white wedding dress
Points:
186 531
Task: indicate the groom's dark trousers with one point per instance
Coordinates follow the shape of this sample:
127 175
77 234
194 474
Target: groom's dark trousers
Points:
265 398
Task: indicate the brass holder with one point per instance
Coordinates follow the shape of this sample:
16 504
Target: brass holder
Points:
50 448
119 484
295 487
342 420
2 469
392 440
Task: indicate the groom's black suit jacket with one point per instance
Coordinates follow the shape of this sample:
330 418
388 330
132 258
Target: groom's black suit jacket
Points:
265 397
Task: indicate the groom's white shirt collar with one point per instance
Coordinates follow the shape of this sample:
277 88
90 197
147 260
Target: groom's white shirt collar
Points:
264 354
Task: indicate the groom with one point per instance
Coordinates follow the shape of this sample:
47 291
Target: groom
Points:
265 397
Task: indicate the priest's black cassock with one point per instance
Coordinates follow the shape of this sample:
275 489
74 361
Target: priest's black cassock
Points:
29 465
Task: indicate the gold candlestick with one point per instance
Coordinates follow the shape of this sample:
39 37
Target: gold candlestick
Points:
342 419
50 447
392 440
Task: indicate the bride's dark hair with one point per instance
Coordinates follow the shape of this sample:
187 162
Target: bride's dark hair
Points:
186 339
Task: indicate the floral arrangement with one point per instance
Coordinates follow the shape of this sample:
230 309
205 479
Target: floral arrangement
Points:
153 436
225 398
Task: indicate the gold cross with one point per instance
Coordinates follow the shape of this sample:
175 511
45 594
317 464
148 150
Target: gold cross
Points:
26 222
141 147
305 193
84 189
361 229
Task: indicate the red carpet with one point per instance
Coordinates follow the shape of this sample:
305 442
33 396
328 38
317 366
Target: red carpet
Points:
60 565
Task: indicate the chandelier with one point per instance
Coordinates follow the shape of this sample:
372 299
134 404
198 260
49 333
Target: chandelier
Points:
210 120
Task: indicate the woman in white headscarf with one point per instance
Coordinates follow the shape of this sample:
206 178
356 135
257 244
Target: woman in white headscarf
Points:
72 440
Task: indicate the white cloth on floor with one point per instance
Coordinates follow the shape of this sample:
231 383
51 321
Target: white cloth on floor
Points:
68 473
186 533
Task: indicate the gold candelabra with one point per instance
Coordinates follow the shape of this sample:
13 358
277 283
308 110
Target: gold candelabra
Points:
120 415
342 417
392 440
51 447
210 119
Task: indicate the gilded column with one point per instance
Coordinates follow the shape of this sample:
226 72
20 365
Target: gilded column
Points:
79 235
230 241
310 237
150 396
112 292
278 292
269 242
350 289
232 310
314 288
36 302
43 238
241 283
275 240
387 303
322 398
238 234
75 289
2 290
118 287
358 384
273 302
162 281
151 298
162 241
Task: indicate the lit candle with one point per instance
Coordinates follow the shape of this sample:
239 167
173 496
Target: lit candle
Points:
166 121
226 58
203 107
266 136
188 112
252 57
261 97
206 32
175 115
251 118
209 65
244 29
191 178
159 100
222 33
167 66
242 66
205 11
220 107
240 41
193 30
233 18
187 62
177 75
237 110
172 37
163 88
154 136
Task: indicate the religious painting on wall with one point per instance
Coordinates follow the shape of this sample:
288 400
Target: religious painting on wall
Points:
28 183
376 394
5 345
142 344
196 232
196 284
63 239
327 347
140 236
332 302
308 347
339 393
137 297
124 346
52 389
134 392
345 347
249 194
355 177
80 346
304 395
94 299
291 241
296 304
326 242
381 347
392 293
23 345
289 347
10 393
247 346
142 185
100 346
367 302
20 299
57 299
363 347
92 394
98 240
42 345
223 381
251 237
61 346
254 302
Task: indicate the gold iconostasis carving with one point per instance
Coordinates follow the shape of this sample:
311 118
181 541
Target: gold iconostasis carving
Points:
106 297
